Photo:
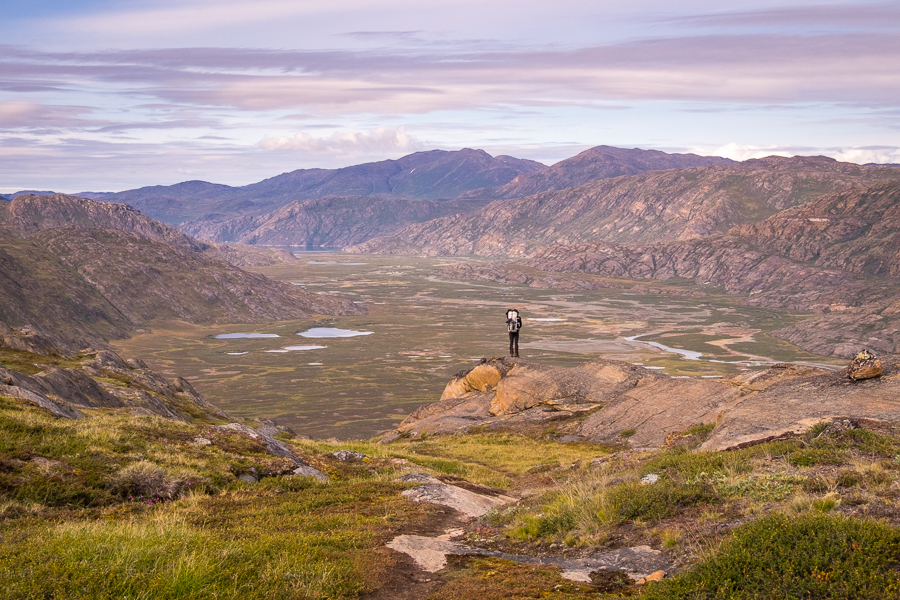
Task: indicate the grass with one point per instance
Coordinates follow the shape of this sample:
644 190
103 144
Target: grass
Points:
129 507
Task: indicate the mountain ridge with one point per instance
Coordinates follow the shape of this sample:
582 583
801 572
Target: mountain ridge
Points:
655 206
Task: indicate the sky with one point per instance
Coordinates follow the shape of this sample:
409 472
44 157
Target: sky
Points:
103 95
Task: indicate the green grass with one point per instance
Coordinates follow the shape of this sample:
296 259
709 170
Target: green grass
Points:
810 556
321 542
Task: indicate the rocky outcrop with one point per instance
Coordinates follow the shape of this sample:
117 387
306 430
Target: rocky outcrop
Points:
103 380
652 207
329 221
616 402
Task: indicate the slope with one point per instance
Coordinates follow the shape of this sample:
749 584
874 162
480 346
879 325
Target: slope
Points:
657 206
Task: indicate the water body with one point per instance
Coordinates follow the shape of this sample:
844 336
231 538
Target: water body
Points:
239 336
334 262
332 332
294 348
236 353
687 354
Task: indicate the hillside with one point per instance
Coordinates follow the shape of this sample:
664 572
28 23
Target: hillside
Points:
601 162
91 271
330 221
117 500
424 175
36 289
657 206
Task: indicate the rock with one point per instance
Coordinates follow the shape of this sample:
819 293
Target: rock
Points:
793 403
307 471
276 447
136 363
864 365
251 477
639 562
417 478
649 479
838 427
655 576
272 429
482 378
201 441
469 503
345 455
55 408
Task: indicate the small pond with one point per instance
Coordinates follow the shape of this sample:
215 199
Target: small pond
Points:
332 332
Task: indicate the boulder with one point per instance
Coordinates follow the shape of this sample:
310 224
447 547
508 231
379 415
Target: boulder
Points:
482 378
864 365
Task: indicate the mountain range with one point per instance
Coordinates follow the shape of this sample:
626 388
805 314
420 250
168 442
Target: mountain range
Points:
804 233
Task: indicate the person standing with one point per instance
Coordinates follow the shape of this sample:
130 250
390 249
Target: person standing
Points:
513 325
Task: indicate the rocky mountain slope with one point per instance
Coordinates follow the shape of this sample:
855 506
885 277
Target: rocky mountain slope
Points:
92 271
37 290
657 206
601 162
330 221
423 175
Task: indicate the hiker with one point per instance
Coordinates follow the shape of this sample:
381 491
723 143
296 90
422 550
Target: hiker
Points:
513 325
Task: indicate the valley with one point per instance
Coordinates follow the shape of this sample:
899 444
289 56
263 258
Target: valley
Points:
427 327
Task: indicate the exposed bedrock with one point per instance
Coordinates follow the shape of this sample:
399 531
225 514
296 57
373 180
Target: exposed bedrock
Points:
614 401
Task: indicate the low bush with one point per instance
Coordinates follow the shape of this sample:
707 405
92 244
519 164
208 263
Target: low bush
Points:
813 555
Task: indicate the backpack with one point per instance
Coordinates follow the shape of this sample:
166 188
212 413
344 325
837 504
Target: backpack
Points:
512 321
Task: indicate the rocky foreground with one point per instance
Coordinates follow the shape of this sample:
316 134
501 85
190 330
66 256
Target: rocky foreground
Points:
617 402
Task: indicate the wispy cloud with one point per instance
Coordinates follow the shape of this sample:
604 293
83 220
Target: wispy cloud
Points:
843 17
383 139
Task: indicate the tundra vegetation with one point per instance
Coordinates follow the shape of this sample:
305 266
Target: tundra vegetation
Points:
135 506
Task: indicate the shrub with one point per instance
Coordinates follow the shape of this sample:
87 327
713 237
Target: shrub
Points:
813 555
653 502
149 483
807 457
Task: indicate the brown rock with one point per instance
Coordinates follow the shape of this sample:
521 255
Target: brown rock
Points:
864 365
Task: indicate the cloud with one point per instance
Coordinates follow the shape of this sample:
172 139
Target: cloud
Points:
382 139
742 152
844 17
15 114
756 68
878 155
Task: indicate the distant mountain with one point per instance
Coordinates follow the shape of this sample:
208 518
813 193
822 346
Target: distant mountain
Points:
15 195
85 270
601 162
424 175
656 206
329 221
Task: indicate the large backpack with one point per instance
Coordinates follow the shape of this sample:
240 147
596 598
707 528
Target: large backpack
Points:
512 321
